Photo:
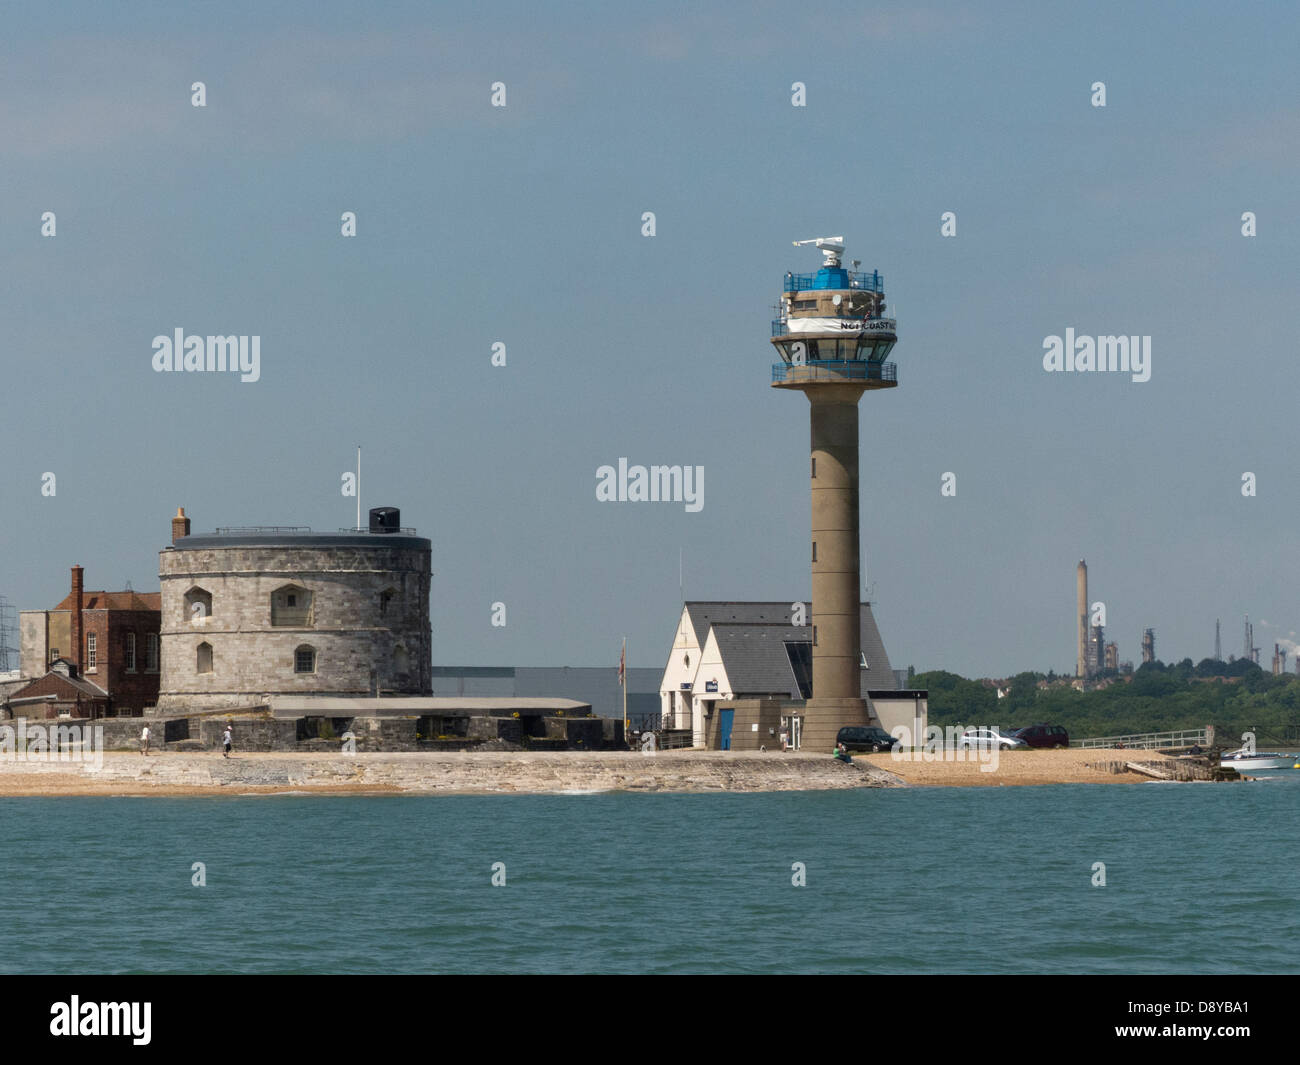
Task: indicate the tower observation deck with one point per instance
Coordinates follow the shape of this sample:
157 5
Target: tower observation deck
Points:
834 340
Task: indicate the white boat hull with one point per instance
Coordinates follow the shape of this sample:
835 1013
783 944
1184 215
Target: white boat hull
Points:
1255 762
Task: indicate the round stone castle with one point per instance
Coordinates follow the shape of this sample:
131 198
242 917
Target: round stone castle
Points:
251 613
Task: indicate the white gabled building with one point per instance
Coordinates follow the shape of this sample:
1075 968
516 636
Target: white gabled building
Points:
682 700
725 651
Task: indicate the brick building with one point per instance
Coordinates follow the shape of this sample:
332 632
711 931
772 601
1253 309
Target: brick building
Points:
111 640
60 693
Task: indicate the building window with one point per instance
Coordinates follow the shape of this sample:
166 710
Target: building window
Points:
385 597
814 635
304 659
203 659
198 604
54 653
814 551
291 607
151 652
130 652
92 651
814 467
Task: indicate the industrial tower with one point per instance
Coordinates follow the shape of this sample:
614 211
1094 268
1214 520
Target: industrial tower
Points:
1081 617
833 341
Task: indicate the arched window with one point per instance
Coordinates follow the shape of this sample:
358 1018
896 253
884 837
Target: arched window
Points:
386 598
401 659
304 659
203 659
291 606
198 604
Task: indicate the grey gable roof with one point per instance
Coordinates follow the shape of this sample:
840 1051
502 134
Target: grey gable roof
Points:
878 673
705 613
755 659
752 637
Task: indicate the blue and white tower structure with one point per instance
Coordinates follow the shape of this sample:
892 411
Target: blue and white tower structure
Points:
834 340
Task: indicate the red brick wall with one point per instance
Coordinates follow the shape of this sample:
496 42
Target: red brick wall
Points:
129 691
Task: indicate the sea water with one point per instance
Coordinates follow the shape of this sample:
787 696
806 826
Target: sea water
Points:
1091 878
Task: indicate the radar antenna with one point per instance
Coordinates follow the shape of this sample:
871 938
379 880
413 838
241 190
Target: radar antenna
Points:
831 247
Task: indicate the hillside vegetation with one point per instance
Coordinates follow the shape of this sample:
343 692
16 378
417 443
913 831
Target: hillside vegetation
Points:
1234 697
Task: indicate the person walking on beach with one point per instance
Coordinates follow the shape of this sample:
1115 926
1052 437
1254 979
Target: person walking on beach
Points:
144 740
226 739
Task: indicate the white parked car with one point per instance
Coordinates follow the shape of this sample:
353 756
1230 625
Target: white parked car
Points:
988 739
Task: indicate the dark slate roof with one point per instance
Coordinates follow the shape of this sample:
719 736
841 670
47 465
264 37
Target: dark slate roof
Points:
755 659
763 659
703 614
208 541
878 674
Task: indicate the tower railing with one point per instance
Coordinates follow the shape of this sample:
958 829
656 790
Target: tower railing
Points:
871 282
816 370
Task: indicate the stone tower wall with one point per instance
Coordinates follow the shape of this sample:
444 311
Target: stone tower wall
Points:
355 638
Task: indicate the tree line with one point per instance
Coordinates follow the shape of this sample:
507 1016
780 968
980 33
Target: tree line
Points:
1235 697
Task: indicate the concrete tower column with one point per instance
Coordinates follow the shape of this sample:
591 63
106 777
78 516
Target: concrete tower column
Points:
836 581
833 339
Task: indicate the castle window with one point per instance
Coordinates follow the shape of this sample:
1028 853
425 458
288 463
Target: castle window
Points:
304 659
386 597
203 659
198 604
92 651
130 652
401 659
291 606
151 652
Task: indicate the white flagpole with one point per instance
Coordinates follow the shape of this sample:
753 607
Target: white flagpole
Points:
358 488
625 720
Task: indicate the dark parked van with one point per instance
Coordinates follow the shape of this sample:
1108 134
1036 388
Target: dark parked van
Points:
1043 736
860 738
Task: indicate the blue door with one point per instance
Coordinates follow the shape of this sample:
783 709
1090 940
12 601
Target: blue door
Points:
724 729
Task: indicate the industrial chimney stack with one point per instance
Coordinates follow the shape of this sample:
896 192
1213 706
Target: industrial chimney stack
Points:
1081 616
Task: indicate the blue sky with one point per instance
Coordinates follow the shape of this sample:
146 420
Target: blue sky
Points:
523 225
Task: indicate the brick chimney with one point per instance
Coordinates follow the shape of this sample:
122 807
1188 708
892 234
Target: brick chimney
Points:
180 525
78 631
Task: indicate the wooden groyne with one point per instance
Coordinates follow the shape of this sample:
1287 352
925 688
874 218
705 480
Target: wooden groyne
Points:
1168 769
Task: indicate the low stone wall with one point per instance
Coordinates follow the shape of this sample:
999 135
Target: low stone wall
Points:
495 772
259 731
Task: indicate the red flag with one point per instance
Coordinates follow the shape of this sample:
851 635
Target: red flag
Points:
622 670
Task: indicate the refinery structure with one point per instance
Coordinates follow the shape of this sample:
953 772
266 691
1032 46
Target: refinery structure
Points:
1094 657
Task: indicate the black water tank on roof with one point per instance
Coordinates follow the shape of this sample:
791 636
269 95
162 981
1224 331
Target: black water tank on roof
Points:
385 519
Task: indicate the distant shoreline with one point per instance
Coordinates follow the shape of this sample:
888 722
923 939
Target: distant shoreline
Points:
534 773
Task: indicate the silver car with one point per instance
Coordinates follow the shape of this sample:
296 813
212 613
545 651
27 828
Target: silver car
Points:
987 739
